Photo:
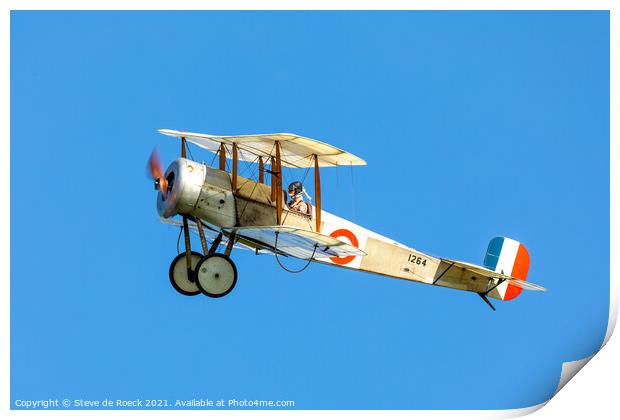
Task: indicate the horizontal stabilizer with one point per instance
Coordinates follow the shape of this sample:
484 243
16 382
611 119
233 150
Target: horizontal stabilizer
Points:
489 274
476 269
526 285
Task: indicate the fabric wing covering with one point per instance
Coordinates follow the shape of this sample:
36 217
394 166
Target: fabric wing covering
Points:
295 151
210 234
300 243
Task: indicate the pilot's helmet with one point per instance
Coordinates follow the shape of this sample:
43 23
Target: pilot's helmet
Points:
295 188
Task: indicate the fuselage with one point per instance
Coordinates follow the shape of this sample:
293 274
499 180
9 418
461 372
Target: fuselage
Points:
204 192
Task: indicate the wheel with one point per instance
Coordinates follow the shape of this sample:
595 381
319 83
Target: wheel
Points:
216 275
178 274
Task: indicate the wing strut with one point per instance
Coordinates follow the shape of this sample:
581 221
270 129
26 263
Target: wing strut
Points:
261 170
278 184
444 272
222 157
274 173
235 165
486 299
495 287
317 193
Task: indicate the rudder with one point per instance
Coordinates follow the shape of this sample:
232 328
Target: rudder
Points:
507 256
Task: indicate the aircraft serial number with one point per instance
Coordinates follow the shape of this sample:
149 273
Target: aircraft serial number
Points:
417 260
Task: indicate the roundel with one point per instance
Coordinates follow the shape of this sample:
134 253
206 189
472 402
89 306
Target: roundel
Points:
344 233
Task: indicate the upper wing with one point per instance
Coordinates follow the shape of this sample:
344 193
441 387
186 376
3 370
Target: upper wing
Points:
297 242
295 151
485 272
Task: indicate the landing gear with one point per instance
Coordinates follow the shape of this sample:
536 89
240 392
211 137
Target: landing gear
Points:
180 275
215 275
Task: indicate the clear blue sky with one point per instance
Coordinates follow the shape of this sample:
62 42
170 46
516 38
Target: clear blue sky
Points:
473 124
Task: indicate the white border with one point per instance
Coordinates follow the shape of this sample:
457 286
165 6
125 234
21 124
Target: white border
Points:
569 369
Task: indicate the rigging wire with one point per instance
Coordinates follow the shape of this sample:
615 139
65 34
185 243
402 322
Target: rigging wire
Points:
337 183
352 191
288 269
305 175
188 150
228 164
179 240
213 159
254 169
248 201
249 167
303 179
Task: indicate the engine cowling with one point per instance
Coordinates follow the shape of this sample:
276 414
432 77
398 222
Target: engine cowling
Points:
200 191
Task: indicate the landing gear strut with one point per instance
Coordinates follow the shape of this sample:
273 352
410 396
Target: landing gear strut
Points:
213 274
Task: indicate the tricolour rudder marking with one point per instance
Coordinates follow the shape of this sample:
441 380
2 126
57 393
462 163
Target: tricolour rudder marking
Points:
507 256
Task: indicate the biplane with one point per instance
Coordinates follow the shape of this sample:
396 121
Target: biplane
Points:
229 211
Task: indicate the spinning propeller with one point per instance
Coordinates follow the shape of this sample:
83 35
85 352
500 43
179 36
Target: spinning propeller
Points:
156 171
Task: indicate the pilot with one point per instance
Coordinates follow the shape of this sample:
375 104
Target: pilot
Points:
297 203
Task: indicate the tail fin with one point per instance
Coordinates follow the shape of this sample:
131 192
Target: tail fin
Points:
505 255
